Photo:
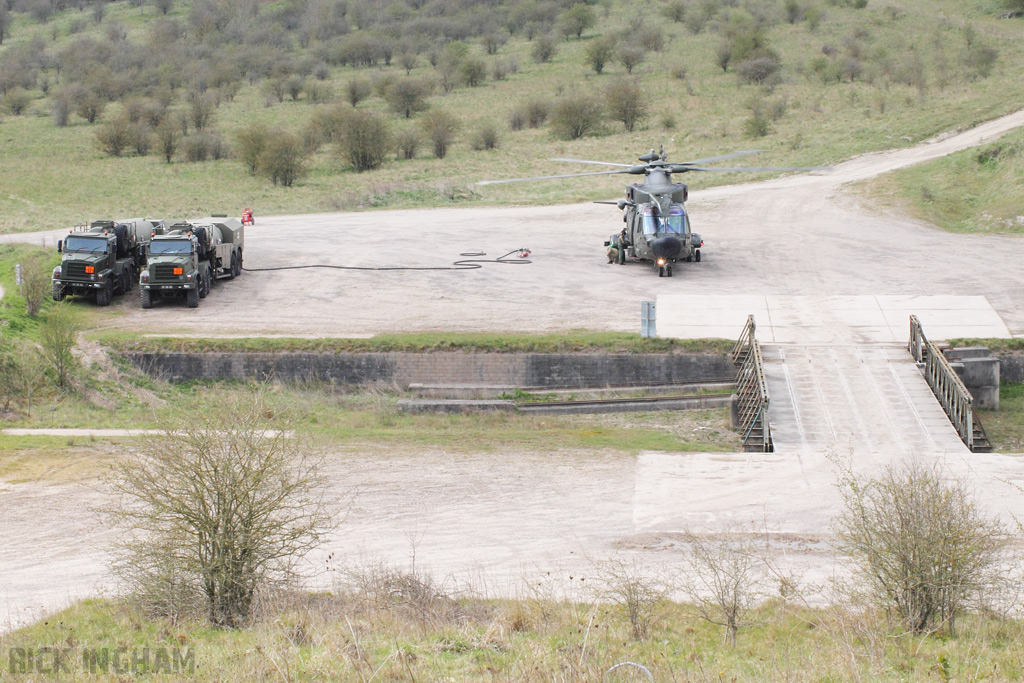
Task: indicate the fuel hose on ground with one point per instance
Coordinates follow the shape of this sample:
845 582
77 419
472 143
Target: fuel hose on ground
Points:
471 261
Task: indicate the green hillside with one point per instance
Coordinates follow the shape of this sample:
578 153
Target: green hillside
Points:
810 81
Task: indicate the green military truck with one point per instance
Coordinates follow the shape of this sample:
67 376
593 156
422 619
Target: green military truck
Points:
184 259
102 259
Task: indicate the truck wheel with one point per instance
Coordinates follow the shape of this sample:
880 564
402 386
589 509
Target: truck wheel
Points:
204 285
58 292
193 298
147 298
103 295
239 262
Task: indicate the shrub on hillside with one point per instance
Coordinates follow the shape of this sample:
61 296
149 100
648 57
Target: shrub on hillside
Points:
440 128
575 116
363 140
626 102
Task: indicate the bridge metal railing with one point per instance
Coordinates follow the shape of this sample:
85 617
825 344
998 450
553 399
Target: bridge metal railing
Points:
745 342
752 391
947 386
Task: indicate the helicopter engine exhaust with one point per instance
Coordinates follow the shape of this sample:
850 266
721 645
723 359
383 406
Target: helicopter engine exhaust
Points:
667 248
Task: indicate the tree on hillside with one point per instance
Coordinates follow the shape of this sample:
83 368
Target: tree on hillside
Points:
574 117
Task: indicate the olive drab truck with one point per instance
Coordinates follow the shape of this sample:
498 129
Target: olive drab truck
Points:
184 259
101 259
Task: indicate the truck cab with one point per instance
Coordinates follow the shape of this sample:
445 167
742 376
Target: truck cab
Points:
99 259
174 268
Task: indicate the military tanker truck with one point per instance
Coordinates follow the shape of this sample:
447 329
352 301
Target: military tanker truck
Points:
102 259
184 259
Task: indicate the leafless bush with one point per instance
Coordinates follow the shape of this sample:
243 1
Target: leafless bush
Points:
115 136
630 56
626 102
599 52
16 101
410 593
35 282
575 116
543 49
250 143
407 141
537 111
284 158
440 128
628 585
167 138
363 140
217 508
485 137
357 90
725 575
920 542
407 96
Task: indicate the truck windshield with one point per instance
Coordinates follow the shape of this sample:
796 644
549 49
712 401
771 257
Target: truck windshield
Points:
170 247
95 245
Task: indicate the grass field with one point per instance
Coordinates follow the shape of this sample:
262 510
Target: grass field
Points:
444 634
702 114
978 190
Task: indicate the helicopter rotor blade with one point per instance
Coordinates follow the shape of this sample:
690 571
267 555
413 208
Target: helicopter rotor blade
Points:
584 161
758 169
546 177
722 157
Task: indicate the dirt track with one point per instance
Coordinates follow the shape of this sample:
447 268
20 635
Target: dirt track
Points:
515 515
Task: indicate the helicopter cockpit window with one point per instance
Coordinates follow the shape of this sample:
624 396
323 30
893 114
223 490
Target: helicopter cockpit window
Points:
673 224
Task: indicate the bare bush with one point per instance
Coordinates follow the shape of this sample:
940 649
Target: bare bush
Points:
575 116
407 141
250 143
284 158
627 584
357 90
599 52
630 56
407 96
543 49
114 137
16 101
725 577
440 128
921 544
485 137
626 102
363 140
167 138
217 507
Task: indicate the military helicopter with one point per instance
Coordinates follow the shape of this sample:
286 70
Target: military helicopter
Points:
657 225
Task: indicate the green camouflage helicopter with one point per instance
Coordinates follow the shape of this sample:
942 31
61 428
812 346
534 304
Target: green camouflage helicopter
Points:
657 225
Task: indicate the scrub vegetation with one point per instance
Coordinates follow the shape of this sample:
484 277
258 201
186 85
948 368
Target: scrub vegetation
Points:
155 107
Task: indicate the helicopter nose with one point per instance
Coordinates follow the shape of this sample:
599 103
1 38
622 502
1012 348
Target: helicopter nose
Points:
666 247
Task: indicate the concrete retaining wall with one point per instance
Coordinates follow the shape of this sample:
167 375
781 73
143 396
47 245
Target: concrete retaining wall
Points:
402 369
